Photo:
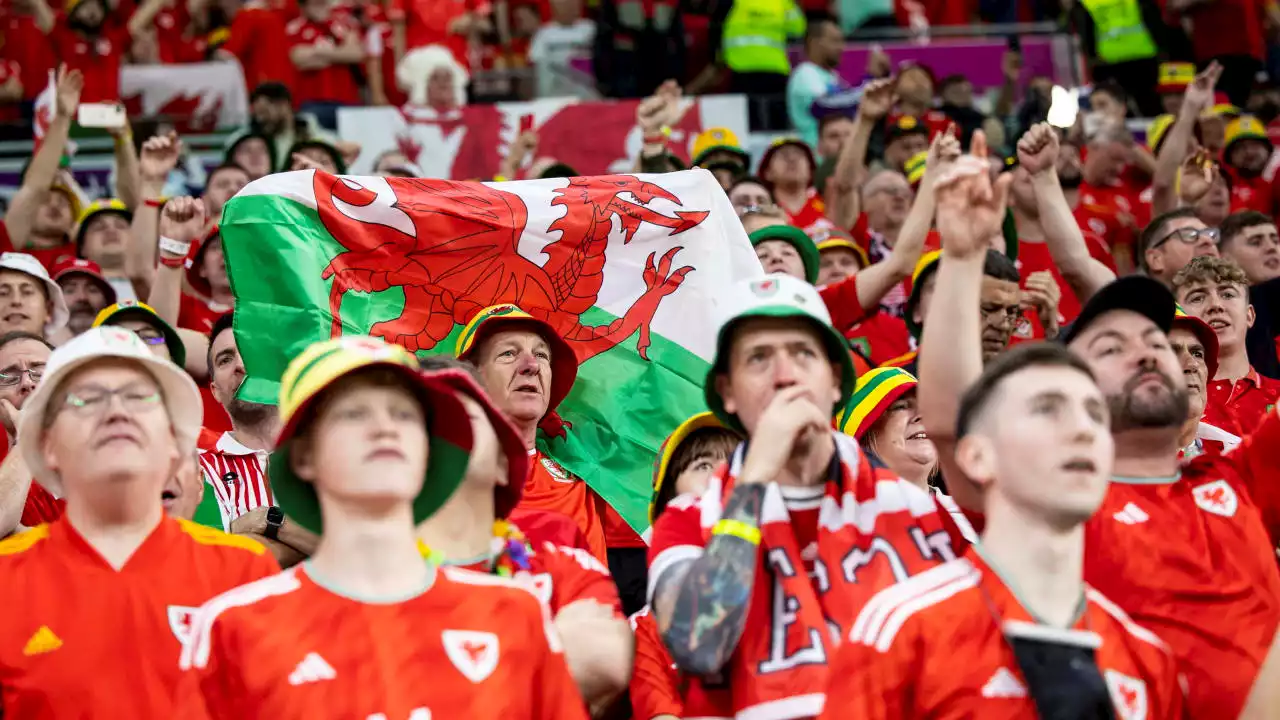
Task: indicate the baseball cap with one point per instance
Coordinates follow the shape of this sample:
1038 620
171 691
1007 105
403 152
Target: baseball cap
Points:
115 313
874 393
100 207
29 265
1203 333
325 363
181 397
667 451
72 265
773 296
564 361
195 258
507 496
796 238
1136 293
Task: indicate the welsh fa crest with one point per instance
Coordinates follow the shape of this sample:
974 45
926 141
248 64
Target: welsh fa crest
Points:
180 621
1129 695
474 653
555 470
1217 497
764 288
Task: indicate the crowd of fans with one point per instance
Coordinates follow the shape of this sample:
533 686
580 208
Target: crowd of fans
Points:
1083 525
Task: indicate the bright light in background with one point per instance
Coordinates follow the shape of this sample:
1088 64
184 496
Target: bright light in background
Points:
1064 107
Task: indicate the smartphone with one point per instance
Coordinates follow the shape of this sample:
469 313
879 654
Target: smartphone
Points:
101 115
526 123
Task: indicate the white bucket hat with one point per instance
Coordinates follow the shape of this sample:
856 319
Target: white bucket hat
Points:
29 264
181 397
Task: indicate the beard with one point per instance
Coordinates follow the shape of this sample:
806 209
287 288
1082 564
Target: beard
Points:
81 317
1129 411
249 414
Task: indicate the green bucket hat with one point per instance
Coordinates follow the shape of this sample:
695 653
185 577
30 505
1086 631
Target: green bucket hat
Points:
796 238
774 296
325 363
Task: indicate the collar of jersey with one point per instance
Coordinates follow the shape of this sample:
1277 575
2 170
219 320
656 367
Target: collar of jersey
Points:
1163 480
332 587
228 445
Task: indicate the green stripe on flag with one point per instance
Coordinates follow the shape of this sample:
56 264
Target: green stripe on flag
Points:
621 407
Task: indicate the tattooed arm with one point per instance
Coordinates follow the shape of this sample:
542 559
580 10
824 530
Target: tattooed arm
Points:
701 604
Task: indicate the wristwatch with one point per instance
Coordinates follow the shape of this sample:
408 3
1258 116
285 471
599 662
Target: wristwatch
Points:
275 519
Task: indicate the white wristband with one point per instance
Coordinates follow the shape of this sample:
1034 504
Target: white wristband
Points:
174 247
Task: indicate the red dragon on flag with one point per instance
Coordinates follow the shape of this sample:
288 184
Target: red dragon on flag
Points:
462 255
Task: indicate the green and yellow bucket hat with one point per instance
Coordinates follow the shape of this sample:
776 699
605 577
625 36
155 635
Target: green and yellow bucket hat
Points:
925 267
136 310
874 393
667 451
564 361
325 363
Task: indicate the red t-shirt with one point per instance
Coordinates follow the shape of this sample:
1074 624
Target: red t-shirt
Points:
174 41
655 681
1251 193
560 576
97 58
23 44
812 215
617 533
1100 210
540 526
933 647
67 610
1193 560
1228 27
468 645
427 23
335 83
47 256
1239 407
196 314
10 112
257 38
880 338
551 487
1034 257
380 46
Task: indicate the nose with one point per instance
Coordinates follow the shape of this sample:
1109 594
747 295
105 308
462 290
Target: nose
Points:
27 384
784 371
527 364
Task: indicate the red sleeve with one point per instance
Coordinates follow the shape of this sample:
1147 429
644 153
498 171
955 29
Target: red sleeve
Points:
553 693
545 526
41 507
240 34
203 692
677 536
654 686
1257 462
578 575
877 679
842 303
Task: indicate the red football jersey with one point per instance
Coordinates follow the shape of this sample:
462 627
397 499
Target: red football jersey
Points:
334 83
812 215
1239 407
470 645
552 488
561 575
655 681
1251 193
257 39
78 637
1034 257
933 648
97 57
540 526
1192 559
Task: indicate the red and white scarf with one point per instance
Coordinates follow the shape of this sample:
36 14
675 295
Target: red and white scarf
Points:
795 624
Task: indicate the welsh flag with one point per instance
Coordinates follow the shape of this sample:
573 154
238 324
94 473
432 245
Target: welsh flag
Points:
628 269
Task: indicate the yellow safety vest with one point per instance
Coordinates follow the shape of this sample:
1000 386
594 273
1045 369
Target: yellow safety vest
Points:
755 35
1119 33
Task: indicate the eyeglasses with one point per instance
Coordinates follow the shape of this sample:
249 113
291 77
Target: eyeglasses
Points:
1189 236
150 337
1001 315
13 376
94 401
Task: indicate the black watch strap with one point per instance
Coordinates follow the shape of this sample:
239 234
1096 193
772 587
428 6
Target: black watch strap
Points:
275 519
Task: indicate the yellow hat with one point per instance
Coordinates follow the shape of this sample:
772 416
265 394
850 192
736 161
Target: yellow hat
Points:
323 364
100 207
875 392
1156 131
667 451
915 165
1175 77
834 242
564 361
717 139
1245 127
926 266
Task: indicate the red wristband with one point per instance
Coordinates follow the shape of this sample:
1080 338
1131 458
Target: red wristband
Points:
655 139
173 263
156 202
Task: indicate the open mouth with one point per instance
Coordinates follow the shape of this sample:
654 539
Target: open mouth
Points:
14 318
1080 465
387 453
922 435
1218 324
530 388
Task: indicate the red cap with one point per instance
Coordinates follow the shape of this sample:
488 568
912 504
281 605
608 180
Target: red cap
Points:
68 265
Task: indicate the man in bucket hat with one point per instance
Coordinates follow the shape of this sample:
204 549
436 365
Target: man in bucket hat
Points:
30 300
779 375
480 529
107 429
370 447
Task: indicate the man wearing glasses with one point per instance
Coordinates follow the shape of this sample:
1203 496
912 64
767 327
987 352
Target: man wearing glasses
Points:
22 359
1170 240
108 428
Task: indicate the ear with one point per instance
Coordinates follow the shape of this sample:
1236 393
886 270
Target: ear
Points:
726 396
46 450
300 459
1249 316
1155 260
975 455
837 375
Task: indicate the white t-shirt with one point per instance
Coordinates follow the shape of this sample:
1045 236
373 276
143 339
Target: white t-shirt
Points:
551 50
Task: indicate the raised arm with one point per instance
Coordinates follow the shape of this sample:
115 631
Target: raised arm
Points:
970 211
159 157
880 278
1038 152
128 178
842 190
1173 150
44 164
180 225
